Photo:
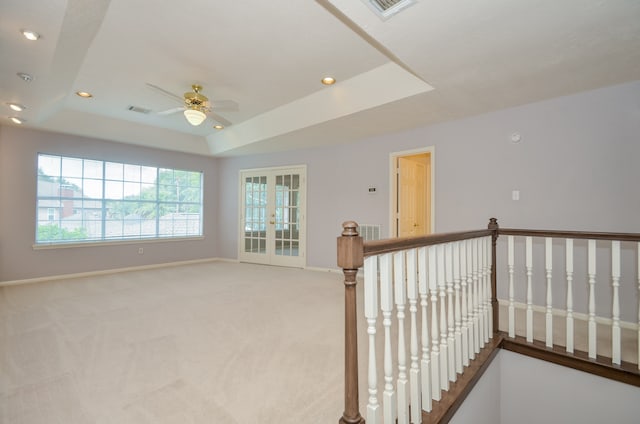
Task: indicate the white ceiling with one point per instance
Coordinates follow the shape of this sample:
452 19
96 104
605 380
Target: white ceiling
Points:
436 60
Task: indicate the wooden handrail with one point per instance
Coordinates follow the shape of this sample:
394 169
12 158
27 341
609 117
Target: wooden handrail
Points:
570 234
377 247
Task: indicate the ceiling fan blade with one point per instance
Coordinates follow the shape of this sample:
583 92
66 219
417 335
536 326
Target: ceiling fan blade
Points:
220 119
229 105
165 92
170 111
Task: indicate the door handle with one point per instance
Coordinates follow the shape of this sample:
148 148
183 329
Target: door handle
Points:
272 222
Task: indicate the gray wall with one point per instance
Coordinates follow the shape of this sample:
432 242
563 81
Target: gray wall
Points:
535 391
482 405
523 390
575 168
18 155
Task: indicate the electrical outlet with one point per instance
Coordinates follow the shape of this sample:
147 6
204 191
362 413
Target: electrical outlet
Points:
140 250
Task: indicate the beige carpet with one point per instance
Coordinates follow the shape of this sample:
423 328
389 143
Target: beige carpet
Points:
208 343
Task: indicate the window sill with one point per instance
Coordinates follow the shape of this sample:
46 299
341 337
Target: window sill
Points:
46 246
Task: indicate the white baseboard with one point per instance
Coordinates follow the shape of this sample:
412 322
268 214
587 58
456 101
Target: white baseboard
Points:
112 271
563 314
320 269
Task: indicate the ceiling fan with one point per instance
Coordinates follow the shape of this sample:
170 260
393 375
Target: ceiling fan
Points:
196 106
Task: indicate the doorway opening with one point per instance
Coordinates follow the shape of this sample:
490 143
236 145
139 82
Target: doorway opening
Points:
411 203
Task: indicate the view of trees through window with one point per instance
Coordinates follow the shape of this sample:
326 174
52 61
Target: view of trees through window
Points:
91 200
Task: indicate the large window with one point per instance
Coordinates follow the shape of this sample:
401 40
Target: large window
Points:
84 200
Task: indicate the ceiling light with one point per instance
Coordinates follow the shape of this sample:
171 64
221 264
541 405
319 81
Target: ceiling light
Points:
194 116
30 35
84 94
16 107
328 80
218 127
25 77
17 120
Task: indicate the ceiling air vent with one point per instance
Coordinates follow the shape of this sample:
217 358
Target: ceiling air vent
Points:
139 109
387 8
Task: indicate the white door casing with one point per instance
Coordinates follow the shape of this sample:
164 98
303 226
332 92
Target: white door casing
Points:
425 205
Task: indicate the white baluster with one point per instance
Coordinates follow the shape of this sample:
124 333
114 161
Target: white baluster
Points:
402 385
529 267
569 266
436 388
425 363
414 373
476 295
591 253
548 248
472 327
386 304
458 313
488 311
371 314
444 355
510 268
615 326
481 294
448 259
465 311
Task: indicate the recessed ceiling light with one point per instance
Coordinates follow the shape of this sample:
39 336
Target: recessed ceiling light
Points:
84 94
30 35
328 80
17 120
25 77
16 107
218 127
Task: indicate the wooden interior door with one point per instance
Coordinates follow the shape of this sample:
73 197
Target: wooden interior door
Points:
413 185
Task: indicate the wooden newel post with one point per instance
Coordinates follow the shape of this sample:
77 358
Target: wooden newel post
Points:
493 226
350 258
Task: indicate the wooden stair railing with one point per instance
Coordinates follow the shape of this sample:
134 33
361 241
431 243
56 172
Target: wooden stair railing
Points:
350 258
457 273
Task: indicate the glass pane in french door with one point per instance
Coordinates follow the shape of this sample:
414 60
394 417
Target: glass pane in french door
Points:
287 213
255 204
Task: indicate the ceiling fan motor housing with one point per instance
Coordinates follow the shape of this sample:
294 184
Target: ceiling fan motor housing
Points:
195 100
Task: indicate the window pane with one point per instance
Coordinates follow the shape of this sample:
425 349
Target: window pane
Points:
49 165
92 189
71 167
113 189
91 200
114 171
132 173
132 191
92 169
148 174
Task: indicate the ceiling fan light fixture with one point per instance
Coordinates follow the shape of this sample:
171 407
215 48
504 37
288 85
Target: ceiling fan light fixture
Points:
194 116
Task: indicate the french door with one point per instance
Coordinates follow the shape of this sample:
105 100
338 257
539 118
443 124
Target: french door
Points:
272 219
